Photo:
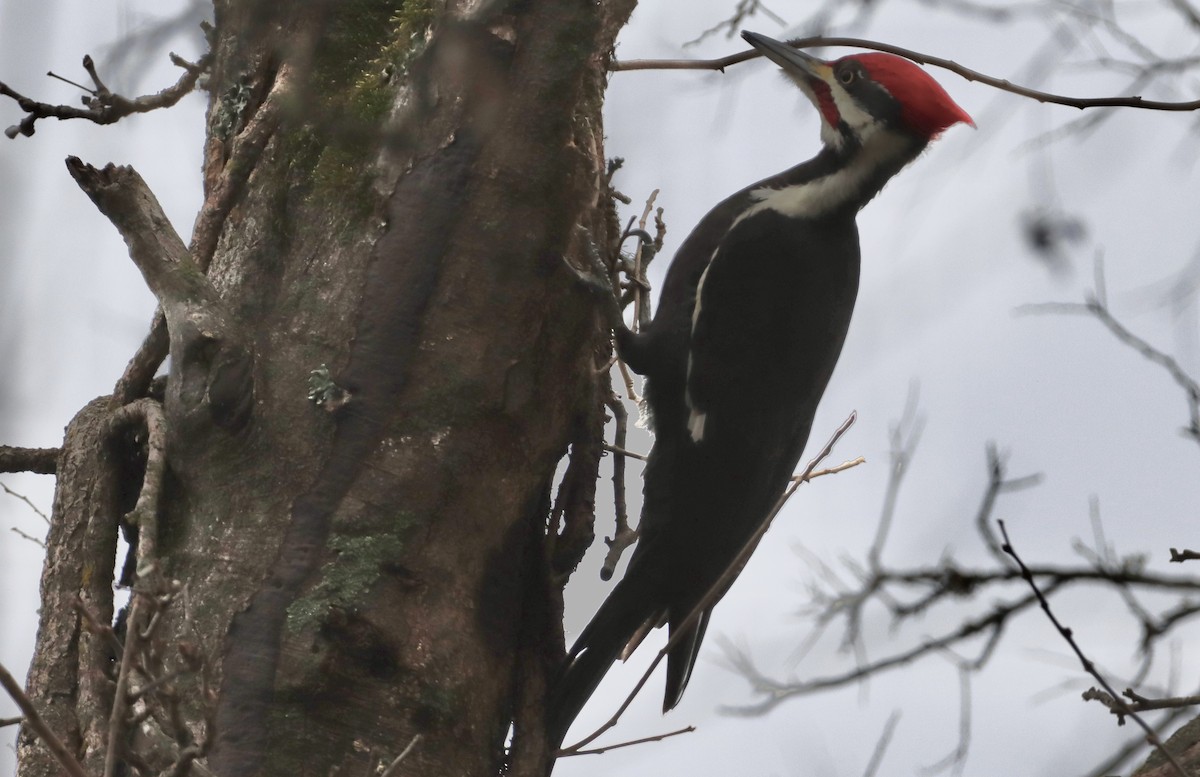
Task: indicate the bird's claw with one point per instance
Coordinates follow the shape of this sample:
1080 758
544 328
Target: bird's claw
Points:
597 279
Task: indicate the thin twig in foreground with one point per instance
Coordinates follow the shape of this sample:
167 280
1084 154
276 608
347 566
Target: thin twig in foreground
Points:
1096 306
916 56
35 722
25 499
845 465
881 745
1086 662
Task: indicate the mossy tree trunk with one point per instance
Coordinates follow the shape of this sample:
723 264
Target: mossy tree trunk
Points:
391 189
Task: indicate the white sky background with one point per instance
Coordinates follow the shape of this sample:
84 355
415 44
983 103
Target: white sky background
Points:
944 267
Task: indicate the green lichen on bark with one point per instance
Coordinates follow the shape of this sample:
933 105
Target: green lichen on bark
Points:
359 66
348 577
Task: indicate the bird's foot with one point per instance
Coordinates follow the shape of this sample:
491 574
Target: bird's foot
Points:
597 279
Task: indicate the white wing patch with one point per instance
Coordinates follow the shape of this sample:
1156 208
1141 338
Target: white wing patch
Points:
696 419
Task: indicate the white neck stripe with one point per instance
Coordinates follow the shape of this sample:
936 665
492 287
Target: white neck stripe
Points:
815 198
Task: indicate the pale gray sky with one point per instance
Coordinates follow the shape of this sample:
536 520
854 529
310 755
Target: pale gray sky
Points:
943 271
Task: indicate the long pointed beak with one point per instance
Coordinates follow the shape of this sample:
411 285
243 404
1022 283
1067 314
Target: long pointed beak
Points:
793 61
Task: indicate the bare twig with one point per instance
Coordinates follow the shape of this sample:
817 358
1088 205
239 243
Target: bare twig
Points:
632 742
925 59
956 759
103 106
25 536
25 499
35 722
1179 556
1139 703
905 435
845 465
641 300
1084 661
744 10
625 452
881 744
1096 306
623 536
1189 12
988 625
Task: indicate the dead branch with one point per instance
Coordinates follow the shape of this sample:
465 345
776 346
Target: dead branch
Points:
213 367
632 742
122 195
103 106
42 461
224 192
925 59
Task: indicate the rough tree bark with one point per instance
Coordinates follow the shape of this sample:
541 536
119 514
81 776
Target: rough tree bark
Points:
390 190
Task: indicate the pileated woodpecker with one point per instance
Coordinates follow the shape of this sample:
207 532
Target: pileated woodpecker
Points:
749 326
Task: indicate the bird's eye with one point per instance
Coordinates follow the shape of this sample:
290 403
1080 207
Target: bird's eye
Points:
847 77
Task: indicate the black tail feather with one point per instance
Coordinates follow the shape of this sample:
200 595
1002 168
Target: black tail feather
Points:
601 643
681 660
